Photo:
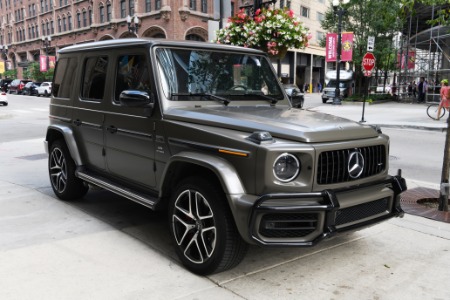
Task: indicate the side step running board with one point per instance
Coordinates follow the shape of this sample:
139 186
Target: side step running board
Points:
141 198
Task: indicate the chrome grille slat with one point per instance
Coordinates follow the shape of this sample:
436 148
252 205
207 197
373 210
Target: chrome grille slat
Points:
333 165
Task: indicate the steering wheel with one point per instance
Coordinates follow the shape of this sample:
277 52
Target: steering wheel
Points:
238 87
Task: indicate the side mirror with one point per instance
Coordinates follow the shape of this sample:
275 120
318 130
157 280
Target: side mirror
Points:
135 98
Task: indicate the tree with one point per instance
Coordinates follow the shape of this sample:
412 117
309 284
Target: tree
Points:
378 18
33 71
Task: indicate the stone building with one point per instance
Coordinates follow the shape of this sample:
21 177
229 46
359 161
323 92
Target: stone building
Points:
25 23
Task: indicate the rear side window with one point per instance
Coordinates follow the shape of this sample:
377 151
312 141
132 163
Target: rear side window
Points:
64 77
94 78
132 74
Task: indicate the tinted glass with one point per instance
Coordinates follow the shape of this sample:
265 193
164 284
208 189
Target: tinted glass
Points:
94 78
132 74
64 77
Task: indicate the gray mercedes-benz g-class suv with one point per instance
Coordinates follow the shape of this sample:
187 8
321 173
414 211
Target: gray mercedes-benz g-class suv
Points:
206 132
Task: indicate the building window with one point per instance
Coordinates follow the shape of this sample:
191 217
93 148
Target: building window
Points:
123 9
102 14
78 19
46 4
131 7
148 6
43 28
288 4
157 4
320 17
42 5
64 23
193 4
304 12
52 26
319 36
69 22
194 37
37 30
59 25
84 19
90 16
51 4
60 3
204 6
108 12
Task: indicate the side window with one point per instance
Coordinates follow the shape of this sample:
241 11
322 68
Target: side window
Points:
94 78
64 77
132 74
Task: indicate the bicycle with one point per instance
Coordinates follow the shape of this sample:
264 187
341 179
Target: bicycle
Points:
432 111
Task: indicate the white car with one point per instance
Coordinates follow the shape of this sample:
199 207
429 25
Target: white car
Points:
387 89
45 89
3 99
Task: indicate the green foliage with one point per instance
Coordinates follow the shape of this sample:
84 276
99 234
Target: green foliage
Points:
33 72
10 74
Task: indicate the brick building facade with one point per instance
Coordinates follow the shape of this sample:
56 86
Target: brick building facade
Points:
24 23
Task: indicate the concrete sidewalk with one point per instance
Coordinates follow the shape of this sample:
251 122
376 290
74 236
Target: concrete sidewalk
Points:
387 114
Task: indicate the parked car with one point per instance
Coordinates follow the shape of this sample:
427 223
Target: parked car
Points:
30 88
45 89
3 99
206 132
383 89
295 95
4 84
17 86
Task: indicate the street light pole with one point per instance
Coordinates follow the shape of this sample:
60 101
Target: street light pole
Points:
46 42
339 11
133 24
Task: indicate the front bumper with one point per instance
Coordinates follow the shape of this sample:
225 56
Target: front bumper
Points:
274 221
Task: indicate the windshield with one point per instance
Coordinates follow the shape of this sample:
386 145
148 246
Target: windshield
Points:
188 74
333 83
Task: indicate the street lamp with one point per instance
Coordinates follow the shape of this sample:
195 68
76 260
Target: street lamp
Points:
4 51
133 24
46 42
339 11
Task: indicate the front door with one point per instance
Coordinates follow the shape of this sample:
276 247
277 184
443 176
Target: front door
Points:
129 141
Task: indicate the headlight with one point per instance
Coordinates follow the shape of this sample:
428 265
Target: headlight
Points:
286 167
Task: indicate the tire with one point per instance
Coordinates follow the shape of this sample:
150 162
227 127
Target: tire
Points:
61 169
203 230
432 111
45 93
324 100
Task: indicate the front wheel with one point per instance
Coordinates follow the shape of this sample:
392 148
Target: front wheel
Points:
61 169
202 227
432 111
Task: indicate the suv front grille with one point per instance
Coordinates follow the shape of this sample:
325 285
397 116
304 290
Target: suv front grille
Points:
333 165
288 225
361 211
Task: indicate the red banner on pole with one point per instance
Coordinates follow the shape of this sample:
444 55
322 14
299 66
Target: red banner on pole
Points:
331 47
43 63
347 46
401 60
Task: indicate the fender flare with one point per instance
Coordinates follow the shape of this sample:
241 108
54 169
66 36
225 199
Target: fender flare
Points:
225 172
69 138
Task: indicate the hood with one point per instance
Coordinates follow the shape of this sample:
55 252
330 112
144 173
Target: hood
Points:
280 121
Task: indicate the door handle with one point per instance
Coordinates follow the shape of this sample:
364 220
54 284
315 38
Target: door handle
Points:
77 122
112 129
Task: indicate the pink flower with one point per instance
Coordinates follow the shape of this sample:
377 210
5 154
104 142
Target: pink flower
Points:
291 13
257 12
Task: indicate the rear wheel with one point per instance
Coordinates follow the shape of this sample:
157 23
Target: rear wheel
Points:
202 227
45 93
432 111
61 168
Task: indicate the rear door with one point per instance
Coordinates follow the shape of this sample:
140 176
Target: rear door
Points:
89 115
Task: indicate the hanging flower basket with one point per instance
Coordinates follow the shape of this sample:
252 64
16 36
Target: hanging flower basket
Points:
271 30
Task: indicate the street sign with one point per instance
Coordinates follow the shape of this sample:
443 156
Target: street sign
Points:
370 43
368 61
367 73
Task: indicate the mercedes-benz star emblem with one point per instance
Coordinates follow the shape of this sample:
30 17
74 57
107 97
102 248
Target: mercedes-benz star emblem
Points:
355 164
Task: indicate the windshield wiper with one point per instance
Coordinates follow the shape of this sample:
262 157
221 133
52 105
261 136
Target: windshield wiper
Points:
265 97
209 96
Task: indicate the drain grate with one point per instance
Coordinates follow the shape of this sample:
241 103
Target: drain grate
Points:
34 156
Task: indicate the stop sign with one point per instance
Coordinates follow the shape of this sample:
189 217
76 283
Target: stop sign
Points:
368 61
